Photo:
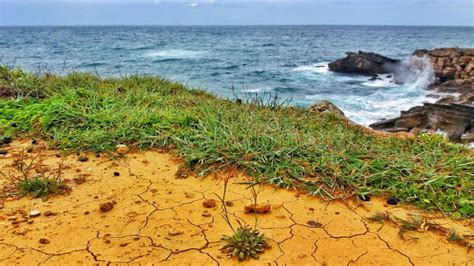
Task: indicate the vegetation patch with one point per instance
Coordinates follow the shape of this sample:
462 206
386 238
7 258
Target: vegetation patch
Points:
30 177
280 145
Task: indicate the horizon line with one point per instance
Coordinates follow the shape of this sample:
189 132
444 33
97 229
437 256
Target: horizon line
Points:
223 25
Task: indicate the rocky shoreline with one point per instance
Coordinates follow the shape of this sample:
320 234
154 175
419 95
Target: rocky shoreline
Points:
452 85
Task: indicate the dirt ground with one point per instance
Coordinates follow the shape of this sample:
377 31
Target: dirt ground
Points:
159 218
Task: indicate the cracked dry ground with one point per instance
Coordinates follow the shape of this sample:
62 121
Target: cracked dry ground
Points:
151 202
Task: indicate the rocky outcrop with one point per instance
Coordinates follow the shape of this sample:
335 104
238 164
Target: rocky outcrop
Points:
451 63
326 107
456 120
364 63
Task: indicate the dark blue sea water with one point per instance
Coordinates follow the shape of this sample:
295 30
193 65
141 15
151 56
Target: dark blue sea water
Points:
289 60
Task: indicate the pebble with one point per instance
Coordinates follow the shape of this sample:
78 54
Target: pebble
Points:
83 158
121 149
206 214
281 216
174 232
116 173
209 203
44 241
314 224
106 206
12 218
229 204
392 200
35 213
49 213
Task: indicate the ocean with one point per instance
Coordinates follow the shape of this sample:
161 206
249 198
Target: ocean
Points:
288 60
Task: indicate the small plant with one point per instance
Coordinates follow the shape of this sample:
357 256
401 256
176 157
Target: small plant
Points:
34 179
246 242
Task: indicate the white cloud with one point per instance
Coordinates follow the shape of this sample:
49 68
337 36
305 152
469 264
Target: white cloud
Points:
193 4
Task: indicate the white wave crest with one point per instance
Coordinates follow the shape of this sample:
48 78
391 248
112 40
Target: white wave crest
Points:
175 54
321 68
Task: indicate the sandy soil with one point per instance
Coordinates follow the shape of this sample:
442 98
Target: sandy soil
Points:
158 218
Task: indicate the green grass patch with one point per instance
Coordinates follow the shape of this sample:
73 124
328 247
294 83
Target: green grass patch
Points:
284 146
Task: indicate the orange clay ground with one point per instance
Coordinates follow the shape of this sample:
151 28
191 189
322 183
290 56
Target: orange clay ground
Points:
158 218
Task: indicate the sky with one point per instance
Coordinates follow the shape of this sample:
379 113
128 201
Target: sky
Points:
237 12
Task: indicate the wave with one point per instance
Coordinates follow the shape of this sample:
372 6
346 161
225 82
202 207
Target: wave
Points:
318 68
175 54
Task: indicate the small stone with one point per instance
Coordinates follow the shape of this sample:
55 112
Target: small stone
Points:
116 173
105 207
206 214
314 224
6 140
257 208
34 213
229 204
1 206
49 213
302 255
121 149
12 218
3 152
209 203
174 232
392 200
311 209
44 241
83 158
34 142
364 197
281 216
29 149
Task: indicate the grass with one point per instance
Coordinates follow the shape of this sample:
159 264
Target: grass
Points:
284 146
31 177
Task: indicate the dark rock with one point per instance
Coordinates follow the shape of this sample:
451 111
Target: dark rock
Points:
106 207
116 173
314 224
374 78
6 140
44 241
3 152
364 63
83 158
34 142
454 119
391 200
364 197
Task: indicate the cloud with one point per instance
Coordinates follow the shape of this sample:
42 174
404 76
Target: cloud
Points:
193 4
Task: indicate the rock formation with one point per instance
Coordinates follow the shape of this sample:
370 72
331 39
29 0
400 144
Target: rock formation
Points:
364 63
456 120
453 85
